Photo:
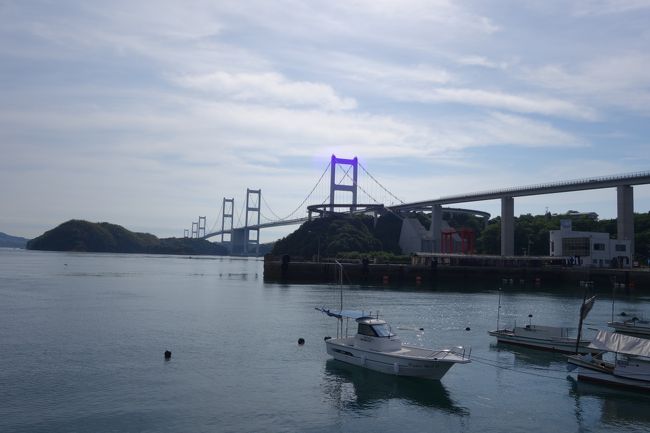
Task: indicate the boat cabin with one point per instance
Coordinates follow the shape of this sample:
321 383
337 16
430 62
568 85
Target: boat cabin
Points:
375 334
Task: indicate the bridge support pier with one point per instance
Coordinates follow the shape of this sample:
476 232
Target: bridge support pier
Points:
507 226
625 215
436 227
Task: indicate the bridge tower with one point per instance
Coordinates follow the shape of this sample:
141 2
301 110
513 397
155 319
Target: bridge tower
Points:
227 213
194 229
200 227
334 186
253 203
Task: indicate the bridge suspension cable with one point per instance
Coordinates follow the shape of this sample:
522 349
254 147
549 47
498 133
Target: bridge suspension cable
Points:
239 214
301 203
374 199
380 185
216 221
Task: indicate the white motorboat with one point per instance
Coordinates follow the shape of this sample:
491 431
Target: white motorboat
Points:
634 326
624 362
552 338
375 347
556 339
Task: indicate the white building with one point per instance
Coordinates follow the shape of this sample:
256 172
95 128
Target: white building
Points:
589 248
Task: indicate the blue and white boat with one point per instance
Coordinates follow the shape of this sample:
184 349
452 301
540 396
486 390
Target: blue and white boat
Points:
374 346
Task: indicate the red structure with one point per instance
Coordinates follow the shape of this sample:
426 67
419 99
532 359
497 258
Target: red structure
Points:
467 241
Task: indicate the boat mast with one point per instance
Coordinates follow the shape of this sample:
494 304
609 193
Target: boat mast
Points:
584 298
499 309
613 299
585 308
341 299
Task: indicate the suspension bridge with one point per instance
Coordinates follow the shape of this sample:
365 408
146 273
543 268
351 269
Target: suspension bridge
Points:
345 191
337 193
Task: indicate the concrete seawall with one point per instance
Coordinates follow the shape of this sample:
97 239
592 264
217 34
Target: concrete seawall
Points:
637 280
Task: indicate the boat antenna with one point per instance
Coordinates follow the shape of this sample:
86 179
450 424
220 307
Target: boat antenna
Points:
499 309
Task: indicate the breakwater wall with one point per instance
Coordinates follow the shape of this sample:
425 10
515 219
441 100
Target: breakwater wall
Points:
296 272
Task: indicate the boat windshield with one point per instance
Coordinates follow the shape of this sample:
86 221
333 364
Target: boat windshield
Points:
382 330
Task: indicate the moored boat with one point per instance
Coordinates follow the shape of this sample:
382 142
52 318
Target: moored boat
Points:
375 347
556 339
633 326
624 362
552 338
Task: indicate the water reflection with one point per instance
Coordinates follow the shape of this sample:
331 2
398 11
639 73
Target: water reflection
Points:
617 407
356 388
526 356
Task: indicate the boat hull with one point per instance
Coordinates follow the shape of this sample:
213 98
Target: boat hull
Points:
555 345
428 367
642 329
597 373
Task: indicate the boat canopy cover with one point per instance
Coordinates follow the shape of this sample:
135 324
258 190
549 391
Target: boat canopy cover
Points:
620 343
350 314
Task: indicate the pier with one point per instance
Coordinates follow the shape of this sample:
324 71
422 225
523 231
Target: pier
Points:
489 272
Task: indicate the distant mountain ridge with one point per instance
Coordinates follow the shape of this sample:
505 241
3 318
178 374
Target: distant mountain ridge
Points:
80 235
8 241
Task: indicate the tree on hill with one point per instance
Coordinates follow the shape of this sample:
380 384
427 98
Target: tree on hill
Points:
532 233
329 236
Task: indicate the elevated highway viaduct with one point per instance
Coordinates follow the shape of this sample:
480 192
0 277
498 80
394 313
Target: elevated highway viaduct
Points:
624 193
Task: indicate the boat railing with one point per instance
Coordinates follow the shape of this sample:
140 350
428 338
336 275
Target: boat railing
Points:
461 351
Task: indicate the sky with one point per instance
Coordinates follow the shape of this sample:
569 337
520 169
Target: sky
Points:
147 114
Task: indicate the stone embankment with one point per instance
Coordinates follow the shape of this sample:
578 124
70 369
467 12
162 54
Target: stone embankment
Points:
287 270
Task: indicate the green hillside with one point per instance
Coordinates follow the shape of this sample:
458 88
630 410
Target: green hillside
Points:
79 235
8 241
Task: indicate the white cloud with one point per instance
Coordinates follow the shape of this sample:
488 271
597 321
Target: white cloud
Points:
604 7
268 88
532 104
481 61
620 81
382 73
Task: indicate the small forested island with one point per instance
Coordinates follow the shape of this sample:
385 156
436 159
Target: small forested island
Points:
341 235
84 236
8 241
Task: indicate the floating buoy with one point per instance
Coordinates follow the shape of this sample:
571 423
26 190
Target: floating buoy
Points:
168 354
301 341
467 329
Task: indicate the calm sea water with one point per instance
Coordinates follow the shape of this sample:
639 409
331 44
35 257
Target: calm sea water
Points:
82 338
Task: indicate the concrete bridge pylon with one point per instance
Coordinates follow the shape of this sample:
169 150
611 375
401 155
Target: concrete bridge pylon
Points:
252 235
337 186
